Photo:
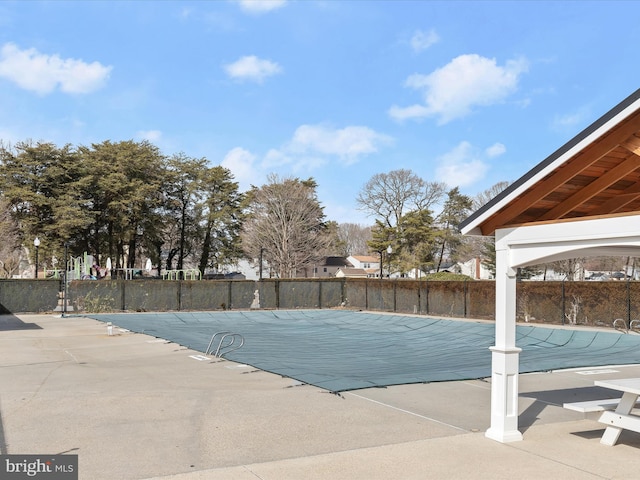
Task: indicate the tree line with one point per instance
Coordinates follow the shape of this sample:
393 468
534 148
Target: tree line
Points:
127 201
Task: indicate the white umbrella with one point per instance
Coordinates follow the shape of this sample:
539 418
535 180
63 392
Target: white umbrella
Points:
109 264
148 265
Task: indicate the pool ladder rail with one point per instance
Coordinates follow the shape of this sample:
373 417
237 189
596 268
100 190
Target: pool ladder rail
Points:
620 325
226 343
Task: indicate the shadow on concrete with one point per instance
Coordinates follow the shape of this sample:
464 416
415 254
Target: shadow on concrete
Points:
557 398
627 437
10 322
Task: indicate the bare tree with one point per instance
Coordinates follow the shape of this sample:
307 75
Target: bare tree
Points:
354 237
389 196
484 197
285 225
480 246
571 268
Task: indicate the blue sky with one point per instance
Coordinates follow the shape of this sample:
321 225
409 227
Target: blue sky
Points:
468 93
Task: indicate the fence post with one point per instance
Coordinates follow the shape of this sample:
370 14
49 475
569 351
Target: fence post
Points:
464 293
366 294
563 303
123 300
395 285
628 302
426 302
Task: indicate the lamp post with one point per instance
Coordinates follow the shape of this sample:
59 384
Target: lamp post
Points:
36 243
380 252
389 250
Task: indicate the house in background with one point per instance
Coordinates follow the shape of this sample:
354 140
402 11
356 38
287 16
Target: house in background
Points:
369 263
475 269
351 273
330 266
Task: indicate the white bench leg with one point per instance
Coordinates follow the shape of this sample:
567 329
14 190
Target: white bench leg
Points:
612 432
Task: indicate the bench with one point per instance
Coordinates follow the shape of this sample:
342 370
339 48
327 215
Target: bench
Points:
622 418
593 405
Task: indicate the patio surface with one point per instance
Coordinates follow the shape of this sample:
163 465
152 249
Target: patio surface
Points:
132 406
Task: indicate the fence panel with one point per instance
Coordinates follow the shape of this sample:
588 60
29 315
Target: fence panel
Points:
95 296
380 295
595 303
355 293
150 295
539 302
203 295
24 296
268 293
447 298
582 303
407 296
481 299
299 294
331 293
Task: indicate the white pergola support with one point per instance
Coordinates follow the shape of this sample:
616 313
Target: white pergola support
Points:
505 356
529 245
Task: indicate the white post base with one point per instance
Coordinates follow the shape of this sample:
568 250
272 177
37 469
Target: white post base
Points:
502 436
504 395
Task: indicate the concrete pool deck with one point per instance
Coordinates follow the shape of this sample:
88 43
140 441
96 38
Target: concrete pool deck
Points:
135 407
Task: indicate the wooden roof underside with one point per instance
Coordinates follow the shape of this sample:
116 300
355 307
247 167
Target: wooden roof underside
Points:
603 178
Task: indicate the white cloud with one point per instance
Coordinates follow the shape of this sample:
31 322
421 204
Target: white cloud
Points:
43 73
310 147
495 150
252 68
403 113
467 81
149 135
348 144
461 167
260 6
570 120
241 163
422 40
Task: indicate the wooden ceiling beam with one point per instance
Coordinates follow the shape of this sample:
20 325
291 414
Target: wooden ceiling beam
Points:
632 144
598 185
587 157
614 204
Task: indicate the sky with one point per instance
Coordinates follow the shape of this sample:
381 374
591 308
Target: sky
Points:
466 93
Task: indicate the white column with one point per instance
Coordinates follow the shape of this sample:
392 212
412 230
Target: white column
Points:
505 356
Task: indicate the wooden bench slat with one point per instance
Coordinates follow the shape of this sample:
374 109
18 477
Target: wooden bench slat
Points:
593 405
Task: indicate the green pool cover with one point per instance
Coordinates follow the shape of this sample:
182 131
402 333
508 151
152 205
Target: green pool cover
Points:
345 350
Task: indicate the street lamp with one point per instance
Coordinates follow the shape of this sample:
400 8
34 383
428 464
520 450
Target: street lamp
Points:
389 250
36 243
261 251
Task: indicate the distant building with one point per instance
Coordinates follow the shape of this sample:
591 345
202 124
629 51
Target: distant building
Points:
369 263
347 272
475 269
330 266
